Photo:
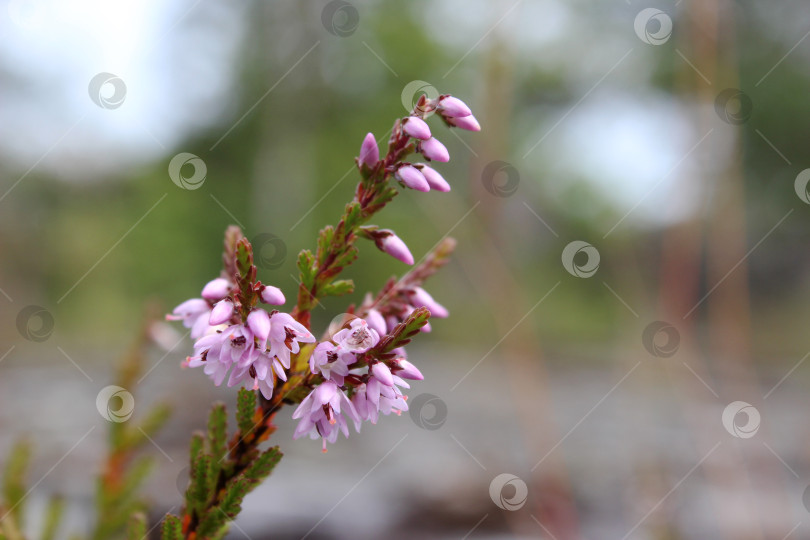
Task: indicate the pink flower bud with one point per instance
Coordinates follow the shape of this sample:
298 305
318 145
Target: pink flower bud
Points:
369 153
259 323
453 107
221 313
416 127
216 289
394 246
408 370
421 298
434 179
272 295
433 149
376 321
411 177
382 374
466 122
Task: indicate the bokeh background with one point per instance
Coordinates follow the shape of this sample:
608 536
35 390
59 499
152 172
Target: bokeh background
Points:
628 297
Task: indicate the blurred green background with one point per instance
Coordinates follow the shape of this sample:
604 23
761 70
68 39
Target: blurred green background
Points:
612 127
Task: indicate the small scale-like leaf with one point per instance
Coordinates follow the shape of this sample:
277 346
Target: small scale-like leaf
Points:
338 288
172 528
53 518
217 434
263 465
245 409
136 527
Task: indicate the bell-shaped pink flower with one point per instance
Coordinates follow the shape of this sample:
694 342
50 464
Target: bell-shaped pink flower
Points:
411 177
376 321
421 298
407 370
216 289
358 338
434 179
465 122
272 295
369 152
453 107
382 373
259 323
394 246
416 128
433 149
221 313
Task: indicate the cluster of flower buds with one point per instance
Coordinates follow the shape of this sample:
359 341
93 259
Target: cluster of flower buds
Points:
374 386
418 176
254 350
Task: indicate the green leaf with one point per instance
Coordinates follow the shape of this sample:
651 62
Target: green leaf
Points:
136 528
324 242
263 465
172 529
403 332
245 409
14 480
338 288
244 257
53 517
306 268
200 490
217 433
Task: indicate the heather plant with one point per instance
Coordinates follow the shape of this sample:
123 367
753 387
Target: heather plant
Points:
350 375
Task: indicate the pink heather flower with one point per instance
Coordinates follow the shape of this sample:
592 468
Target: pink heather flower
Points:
394 246
453 107
407 370
374 397
369 152
219 351
376 321
259 323
416 128
331 361
358 338
421 298
434 150
221 313
434 179
382 373
465 122
194 313
320 413
258 375
392 323
411 177
285 335
216 289
272 295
